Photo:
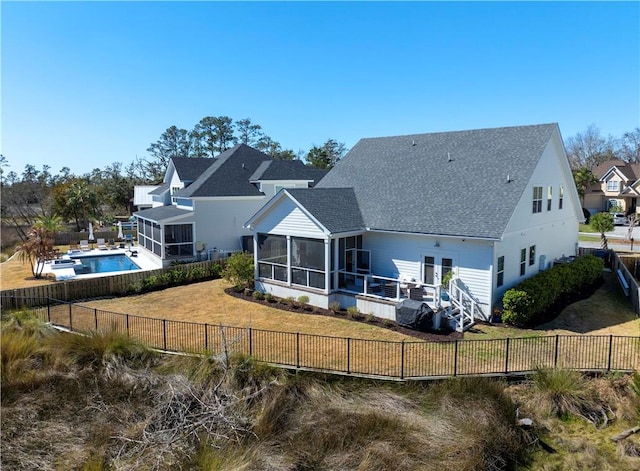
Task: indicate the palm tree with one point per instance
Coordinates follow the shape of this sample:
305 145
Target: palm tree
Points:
602 222
583 178
38 247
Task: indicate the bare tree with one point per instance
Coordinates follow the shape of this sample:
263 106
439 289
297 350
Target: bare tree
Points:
589 149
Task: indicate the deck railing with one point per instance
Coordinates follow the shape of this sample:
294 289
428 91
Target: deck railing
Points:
360 357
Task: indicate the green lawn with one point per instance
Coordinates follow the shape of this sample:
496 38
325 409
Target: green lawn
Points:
586 228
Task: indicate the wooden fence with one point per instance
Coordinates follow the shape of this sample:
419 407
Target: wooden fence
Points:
360 357
67 238
112 285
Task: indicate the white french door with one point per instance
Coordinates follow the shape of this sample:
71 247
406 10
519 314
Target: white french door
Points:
435 267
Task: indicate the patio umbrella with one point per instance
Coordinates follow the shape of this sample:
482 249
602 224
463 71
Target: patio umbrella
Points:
91 231
120 234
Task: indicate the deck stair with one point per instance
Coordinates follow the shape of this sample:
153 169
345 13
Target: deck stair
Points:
463 309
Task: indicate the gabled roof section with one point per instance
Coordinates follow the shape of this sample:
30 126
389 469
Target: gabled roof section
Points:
630 171
451 183
160 190
287 170
335 208
162 213
229 175
189 169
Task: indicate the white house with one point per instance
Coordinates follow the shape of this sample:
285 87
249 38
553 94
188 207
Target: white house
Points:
396 214
202 204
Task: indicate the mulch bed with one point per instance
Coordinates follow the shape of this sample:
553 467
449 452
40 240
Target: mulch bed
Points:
284 305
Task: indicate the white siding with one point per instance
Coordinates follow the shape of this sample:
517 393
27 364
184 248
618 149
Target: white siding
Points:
175 183
286 218
219 223
141 196
269 188
554 233
403 254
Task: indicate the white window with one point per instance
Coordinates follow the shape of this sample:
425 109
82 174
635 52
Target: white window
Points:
560 197
500 272
537 199
549 197
523 262
613 185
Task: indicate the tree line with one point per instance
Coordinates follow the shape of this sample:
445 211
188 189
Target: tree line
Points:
103 193
586 150
100 195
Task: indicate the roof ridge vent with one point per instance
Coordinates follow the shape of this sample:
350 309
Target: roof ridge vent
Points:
413 142
508 178
449 158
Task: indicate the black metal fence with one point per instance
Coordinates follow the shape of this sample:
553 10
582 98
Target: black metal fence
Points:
359 357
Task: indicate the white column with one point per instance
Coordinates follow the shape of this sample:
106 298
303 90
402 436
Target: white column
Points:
336 262
289 260
255 256
327 265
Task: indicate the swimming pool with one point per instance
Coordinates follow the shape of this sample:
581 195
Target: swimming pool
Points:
104 264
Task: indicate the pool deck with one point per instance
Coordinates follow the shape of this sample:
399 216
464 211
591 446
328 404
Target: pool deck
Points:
65 271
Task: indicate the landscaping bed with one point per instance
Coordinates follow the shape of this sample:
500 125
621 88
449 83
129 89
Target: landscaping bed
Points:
298 307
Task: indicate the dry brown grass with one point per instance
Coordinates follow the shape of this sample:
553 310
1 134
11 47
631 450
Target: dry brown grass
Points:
606 312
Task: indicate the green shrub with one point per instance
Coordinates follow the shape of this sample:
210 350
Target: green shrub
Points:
517 307
530 300
258 295
354 313
270 297
334 306
238 269
303 299
149 282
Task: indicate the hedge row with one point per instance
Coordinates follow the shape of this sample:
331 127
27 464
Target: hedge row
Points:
178 276
527 303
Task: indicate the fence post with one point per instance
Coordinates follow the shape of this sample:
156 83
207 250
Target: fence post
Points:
348 355
506 358
49 310
297 349
95 316
555 355
402 361
164 334
250 342
206 337
127 321
610 352
455 359
70 318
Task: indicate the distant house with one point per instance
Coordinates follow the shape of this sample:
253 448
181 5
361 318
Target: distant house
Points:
618 186
397 215
202 204
142 198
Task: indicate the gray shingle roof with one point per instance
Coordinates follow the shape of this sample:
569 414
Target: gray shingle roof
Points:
189 169
287 170
451 183
335 208
161 213
228 175
161 189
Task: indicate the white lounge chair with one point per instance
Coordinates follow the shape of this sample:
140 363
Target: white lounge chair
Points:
84 245
101 244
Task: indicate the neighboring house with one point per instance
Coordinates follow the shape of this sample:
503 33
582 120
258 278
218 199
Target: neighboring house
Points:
142 198
618 186
396 214
203 203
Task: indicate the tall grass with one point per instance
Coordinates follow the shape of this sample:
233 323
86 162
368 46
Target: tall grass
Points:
562 393
96 349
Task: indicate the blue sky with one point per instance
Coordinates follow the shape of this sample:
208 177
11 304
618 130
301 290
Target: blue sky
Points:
87 84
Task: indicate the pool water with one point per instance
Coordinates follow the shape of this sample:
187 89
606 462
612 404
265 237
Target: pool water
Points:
104 264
